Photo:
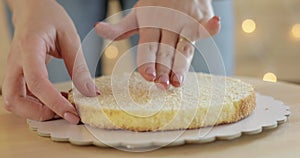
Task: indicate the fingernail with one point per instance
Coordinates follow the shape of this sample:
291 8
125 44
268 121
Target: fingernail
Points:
64 94
177 80
150 72
92 88
217 18
71 118
98 92
96 24
163 82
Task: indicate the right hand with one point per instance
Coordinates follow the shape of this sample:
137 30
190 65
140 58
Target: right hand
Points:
43 29
166 29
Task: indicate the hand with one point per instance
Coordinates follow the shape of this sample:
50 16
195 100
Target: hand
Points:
43 29
167 29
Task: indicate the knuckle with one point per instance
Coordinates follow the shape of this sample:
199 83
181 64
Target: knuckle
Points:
70 34
164 61
199 31
152 47
196 30
165 54
206 13
187 51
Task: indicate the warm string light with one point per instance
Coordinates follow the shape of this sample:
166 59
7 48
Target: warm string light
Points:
270 77
248 26
111 52
296 31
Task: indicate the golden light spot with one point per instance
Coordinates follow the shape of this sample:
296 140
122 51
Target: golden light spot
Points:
296 31
270 77
248 26
111 52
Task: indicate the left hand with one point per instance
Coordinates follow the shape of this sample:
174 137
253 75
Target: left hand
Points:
167 29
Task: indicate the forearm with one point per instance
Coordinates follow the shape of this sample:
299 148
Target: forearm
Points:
19 7
15 5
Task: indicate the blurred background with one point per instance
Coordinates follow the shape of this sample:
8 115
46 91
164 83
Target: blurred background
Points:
267 40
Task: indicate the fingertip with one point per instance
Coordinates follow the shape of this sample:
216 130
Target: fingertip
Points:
87 87
99 26
101 23
162 82
216 18
177 79
98 92
105 30
46 115
104 27
95 25
148 72
73 119
92 89
214 25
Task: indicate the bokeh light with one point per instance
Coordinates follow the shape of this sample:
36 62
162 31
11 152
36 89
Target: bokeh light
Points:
111 52
270 77
296 31
248 26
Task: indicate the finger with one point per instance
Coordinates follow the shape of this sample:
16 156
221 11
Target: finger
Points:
213 25
146 53
182 61
164 58
126 28
71 52
16 101
204 29
36 76
31 108
48 59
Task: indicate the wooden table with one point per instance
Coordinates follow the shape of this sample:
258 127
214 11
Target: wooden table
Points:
17 140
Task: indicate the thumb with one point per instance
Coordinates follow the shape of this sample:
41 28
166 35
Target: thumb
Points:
126 28
213 25
204 29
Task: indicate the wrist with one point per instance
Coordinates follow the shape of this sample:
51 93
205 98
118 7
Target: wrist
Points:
23 8
16 5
